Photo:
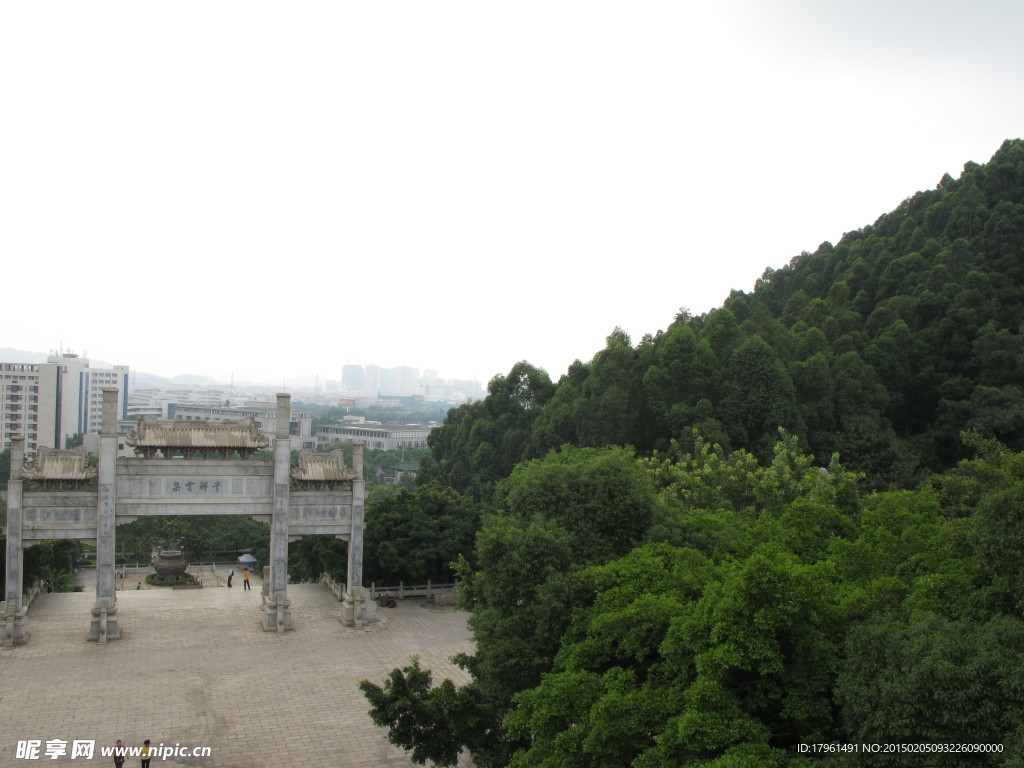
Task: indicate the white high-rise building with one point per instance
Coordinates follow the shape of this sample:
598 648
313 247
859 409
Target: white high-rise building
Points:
372 382
81 394
29 405
47 403
408 380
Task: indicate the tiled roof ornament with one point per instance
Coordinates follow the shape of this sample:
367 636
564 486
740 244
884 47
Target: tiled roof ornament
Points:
196 440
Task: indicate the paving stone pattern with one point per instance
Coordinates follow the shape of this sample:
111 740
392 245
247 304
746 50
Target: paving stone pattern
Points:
194 668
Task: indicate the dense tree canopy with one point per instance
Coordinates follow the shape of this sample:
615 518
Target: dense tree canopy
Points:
480 443
762 606
795 519
413 536
882 347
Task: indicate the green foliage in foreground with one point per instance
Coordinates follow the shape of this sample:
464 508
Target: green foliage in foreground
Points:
410 536
739 609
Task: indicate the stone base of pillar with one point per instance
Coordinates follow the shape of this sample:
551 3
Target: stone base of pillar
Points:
14 625
104 625
276 615
357 609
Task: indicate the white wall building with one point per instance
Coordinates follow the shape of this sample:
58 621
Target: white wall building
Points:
160 402
376 436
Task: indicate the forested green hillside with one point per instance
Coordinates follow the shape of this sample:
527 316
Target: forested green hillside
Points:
797 520
881 348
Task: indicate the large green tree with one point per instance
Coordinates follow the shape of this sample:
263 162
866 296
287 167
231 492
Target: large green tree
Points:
481 442
413 536
558 515
877 351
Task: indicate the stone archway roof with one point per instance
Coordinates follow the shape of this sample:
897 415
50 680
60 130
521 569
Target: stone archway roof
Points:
60 464
322 467
154 432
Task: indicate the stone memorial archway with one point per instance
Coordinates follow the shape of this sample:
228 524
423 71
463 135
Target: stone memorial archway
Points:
60 497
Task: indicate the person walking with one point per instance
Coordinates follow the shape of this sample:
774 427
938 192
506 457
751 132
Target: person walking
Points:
245 579
231 575
145 754
120 754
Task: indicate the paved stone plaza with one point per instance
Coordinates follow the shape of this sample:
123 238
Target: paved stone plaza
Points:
195 668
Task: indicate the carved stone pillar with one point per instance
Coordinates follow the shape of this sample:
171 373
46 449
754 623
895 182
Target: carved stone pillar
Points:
104 625
276 606
14 616
354 610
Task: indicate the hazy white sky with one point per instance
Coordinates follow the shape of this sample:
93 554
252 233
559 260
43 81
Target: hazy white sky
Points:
275 189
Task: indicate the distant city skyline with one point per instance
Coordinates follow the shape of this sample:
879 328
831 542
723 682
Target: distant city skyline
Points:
13 355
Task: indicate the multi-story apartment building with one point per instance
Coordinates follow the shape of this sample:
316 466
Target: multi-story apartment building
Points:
50 402
81 394
30 405
408 381
372 381
353 378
